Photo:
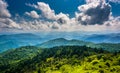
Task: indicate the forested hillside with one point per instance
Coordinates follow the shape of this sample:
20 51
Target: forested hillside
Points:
64 42
62 59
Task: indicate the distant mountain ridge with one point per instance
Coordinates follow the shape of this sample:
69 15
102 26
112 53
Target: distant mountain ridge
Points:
17 40
65 42
62 42
103 38
12 41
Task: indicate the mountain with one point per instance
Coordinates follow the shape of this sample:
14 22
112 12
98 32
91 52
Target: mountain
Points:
62 59
65 42
103 38
14 56
13 41
90 37
109 46
18 40
62 42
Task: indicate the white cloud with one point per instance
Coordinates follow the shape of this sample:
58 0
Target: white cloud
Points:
95 1
3 10
62 18
8 23
5 21
95 15
47 12
94 12
37 25
32 14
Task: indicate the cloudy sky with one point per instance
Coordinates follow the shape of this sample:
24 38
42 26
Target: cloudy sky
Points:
59 15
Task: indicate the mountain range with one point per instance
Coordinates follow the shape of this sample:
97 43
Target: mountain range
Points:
17 40
103 38
13 41
58 55
64 42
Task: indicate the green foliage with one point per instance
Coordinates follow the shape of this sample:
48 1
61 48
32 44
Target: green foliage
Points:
62 59
12 57
112 47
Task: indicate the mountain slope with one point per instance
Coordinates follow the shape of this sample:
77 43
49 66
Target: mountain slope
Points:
23 39
17 40
14 56
62 42
65 42
68 59
109 46
103 38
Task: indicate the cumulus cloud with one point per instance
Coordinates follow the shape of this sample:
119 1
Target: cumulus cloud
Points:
8 23
62 18
90 1
95 15
5 21
3 10
34 25
94 12
48 13
32 14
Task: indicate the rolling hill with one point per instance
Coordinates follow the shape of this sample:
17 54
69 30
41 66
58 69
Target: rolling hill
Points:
14 56
62 59
12 41
65 42
62 42
103 38
17 40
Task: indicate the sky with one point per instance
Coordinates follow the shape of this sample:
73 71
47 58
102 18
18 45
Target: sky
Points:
59 15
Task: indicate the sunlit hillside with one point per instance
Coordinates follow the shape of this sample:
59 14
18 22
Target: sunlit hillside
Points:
63 59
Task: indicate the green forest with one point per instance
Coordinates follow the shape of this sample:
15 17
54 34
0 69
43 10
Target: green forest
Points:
61 59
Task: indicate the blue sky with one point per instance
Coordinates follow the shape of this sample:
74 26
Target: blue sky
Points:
65 6
59 15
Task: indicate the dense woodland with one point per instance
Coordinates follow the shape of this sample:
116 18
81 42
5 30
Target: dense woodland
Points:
61 59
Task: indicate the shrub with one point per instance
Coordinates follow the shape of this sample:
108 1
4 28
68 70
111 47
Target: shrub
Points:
101 71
